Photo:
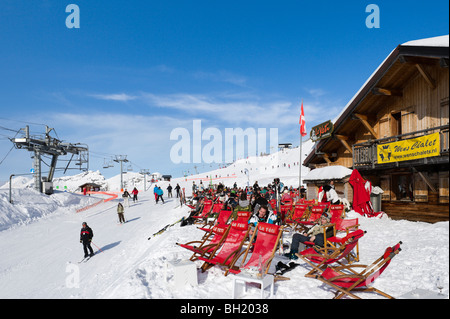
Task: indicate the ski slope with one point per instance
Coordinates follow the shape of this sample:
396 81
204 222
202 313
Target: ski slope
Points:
40 248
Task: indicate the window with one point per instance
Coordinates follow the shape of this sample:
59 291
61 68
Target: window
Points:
403 187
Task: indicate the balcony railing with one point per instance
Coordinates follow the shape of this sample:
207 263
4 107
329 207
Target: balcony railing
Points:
365 154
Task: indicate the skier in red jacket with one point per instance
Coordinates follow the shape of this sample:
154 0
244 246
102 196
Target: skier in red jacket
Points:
135 193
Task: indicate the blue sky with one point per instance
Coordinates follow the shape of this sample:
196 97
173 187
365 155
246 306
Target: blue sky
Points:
136 70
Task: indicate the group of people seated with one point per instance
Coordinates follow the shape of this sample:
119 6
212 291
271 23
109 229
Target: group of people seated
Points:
257 200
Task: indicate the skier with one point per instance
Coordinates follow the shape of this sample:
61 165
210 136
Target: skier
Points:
125 197
159 193
86 238
154 192
169 191
135 193
120 211
177 188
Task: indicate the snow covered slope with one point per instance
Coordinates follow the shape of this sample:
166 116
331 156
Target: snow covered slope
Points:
39 241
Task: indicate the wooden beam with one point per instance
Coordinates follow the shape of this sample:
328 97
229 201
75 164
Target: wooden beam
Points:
343 140
426 76
363 120
426 180
326 157
386 92
418 60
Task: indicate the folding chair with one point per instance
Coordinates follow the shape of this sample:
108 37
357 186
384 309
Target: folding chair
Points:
208 242
337 211
217 207
298 213
313 216
229 247
319 258
267 240
346 280
243 216
221 219
285 210
203 215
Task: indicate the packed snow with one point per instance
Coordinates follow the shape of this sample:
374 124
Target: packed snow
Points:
39 241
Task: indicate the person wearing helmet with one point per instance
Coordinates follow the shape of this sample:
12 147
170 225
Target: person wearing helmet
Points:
86 238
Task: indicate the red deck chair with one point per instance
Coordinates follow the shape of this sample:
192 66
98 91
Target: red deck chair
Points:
337 211
207 244
243 216
229 248
285 210
346 280
222 219
217 207
207 208
297 213
315 214
318 259
342 226
265 246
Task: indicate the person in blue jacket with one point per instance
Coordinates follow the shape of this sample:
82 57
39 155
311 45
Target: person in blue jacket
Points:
159 193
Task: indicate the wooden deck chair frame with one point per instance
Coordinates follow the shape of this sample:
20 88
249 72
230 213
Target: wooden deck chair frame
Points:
228 248
202 217
313 216
320 258
222 218
208 243
345 226
299 212
347 281
262 228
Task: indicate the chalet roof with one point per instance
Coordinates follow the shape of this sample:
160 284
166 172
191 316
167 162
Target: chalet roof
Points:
335 172
393 72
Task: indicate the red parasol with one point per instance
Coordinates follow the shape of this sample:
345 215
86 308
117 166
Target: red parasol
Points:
361 195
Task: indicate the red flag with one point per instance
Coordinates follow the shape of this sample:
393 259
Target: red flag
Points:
302 122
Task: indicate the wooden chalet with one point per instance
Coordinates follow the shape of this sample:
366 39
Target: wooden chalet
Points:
395 132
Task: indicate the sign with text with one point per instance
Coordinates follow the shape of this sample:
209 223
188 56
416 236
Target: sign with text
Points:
411 149
321 131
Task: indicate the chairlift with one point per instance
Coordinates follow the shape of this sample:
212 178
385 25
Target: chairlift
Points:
105 164
130 168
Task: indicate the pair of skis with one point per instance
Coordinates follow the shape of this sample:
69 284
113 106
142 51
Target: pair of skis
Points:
162 230
85 259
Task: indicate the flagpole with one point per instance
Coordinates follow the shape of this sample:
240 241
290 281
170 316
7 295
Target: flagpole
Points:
300 159
300 167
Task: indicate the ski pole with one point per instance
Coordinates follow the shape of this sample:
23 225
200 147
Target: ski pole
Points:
96 246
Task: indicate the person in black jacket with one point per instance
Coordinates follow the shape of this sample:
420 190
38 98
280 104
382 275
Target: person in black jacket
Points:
85 238
177 188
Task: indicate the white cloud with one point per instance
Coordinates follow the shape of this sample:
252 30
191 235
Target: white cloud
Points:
122 97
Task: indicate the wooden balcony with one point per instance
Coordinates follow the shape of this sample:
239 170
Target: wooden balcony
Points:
365 154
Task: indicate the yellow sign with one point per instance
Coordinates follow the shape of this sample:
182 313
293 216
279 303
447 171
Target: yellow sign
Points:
411 149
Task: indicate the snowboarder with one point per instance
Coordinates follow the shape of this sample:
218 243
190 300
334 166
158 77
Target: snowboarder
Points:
120 211
125 197
86 238
135 193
